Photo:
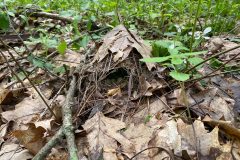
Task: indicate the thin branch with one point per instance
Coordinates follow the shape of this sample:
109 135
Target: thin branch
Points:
26 75
12 71
171 155
67 120
211 74
46 149
214 56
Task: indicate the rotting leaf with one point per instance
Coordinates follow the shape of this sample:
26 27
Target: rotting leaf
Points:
32 138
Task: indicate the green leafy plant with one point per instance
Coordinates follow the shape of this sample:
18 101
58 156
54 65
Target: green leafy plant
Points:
46 65
4 22
147 118
174 54
62 47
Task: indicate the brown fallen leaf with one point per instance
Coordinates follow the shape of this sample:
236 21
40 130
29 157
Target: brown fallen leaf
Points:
168 138
121 43
226 126
24 111
114 91
103 135
70 58
5 96
140 135
200 139
32 138
14 152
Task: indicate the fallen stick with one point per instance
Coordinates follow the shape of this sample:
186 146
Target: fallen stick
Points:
67 129
53 142
52 16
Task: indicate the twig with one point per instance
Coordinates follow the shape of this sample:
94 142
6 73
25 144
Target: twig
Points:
216 55
66 129
51 16
210 74
13 72
159 148
67 120
46 149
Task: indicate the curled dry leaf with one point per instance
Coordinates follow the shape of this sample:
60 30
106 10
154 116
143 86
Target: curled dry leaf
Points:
32 138
114 91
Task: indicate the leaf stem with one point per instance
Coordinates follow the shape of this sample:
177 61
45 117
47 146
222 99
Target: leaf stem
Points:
194 25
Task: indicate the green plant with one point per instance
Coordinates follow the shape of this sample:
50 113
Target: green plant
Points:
147 118
4 25
174 55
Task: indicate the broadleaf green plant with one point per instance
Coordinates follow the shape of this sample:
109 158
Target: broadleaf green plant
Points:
62 47
4 22
173 53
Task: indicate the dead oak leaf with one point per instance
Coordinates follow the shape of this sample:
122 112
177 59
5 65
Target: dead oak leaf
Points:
120 42
196 136
102 135
139 135
25 110
32 138
226 126
168 137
